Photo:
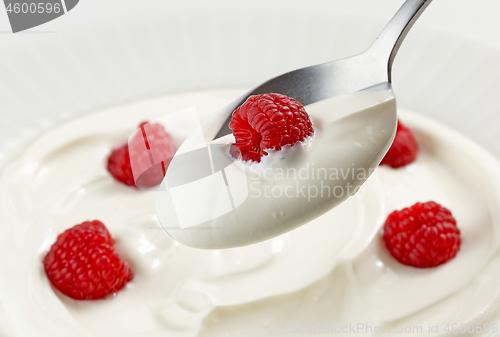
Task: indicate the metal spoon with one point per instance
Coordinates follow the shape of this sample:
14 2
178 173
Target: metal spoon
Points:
322 81
207 226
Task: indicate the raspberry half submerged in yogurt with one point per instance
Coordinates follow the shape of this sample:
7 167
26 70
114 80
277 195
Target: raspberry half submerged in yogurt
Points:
240 203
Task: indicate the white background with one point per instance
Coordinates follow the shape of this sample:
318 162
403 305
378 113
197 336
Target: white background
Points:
476 17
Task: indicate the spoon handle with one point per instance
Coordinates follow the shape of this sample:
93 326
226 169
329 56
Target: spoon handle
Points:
388 42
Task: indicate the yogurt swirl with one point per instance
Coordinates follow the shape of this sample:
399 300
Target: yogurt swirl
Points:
333 272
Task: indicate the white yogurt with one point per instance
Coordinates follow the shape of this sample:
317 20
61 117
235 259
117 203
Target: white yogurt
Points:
288 188
331 273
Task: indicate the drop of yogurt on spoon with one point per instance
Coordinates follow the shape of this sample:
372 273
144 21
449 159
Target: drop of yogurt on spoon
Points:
210 200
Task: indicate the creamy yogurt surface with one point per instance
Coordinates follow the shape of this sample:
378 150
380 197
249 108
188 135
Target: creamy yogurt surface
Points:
321 278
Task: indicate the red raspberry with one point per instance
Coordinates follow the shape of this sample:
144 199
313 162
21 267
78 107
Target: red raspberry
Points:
404 149
119 165
423 235
268 121
84 265
148 155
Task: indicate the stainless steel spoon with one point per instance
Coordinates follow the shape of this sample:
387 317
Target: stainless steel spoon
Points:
197 173
322 81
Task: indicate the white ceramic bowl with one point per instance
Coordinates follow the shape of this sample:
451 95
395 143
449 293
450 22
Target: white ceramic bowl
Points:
47 79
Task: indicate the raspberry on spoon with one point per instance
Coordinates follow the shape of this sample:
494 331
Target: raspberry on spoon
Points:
268 121
424 235
403 150
83 263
